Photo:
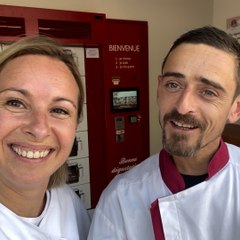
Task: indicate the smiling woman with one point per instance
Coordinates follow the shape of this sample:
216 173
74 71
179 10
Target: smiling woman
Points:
39 111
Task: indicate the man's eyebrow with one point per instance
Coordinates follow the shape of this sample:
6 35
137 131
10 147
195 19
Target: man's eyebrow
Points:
212 83
173 74
201 79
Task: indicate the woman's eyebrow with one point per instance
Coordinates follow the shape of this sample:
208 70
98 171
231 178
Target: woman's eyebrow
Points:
26 93
22 91
59 99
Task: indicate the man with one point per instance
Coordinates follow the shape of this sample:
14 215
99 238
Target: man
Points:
191 189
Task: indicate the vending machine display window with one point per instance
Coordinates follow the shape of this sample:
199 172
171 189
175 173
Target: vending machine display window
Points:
124 99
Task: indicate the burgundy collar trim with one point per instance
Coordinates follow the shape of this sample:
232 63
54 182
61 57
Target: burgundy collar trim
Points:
173 178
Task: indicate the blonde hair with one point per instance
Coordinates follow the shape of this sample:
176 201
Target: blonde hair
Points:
42 45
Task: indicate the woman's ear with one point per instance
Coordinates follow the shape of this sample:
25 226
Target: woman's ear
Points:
234 114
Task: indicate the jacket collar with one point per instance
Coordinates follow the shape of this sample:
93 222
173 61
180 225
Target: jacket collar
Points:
173 178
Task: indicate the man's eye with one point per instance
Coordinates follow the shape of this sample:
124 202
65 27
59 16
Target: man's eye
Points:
172 85
209 93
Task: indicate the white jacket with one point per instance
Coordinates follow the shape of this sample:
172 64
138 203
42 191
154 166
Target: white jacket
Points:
207 211
65 218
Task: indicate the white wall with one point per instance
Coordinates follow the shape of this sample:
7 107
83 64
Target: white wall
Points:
223 9
166 20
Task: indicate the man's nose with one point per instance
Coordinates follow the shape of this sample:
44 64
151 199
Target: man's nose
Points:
186 102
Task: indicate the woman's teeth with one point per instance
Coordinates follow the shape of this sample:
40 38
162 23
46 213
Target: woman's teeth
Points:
29 153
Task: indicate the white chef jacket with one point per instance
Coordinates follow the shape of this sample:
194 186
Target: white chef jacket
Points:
208 211
64 218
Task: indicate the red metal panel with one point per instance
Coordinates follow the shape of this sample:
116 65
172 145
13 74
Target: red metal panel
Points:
123 64
32 16
96 125
126 66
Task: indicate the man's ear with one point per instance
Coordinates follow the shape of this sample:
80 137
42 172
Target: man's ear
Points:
234 114
159 81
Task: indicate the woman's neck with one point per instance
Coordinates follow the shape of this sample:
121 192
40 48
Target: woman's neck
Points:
23 202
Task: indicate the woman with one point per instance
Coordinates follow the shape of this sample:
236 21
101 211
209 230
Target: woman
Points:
41 97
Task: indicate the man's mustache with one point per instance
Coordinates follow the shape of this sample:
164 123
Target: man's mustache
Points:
187 119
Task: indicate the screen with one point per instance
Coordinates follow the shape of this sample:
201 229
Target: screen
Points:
124 100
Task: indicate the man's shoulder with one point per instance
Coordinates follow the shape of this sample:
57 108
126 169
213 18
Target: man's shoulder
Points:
232 147
234 153
137 175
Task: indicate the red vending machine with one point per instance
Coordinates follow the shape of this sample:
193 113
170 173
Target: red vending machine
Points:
123 138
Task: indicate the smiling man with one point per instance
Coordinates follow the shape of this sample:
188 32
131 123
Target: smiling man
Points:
191 188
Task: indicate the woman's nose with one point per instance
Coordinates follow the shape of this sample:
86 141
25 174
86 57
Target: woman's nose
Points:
37 125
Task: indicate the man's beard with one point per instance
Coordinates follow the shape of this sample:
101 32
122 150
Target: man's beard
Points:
177 144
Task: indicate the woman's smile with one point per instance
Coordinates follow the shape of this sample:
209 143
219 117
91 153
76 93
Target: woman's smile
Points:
30 153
